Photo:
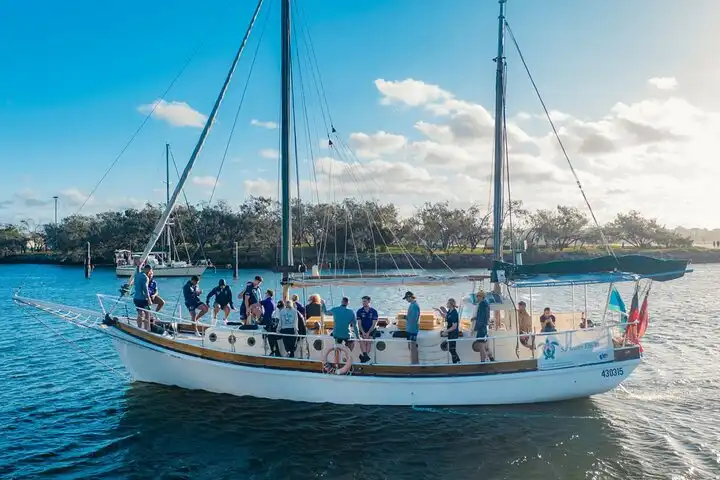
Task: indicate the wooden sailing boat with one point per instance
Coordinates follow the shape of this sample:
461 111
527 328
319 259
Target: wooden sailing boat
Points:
570 363
165 262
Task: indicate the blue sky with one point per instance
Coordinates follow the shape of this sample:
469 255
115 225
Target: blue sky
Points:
75 75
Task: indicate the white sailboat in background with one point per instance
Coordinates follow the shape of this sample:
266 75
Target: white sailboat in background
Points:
165 263
569 363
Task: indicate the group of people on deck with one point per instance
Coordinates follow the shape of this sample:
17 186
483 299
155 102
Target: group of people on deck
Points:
288 317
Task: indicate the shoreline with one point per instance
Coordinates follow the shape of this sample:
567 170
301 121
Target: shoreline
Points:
386 261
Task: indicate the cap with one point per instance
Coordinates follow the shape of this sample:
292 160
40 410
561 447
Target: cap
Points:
408 294
221 282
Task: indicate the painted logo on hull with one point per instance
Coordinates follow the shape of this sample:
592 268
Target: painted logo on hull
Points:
549 348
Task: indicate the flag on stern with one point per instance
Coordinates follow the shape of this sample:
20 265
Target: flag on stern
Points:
631 333
616 303
643 316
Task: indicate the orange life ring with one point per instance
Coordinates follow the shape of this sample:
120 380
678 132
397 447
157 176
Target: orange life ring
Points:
338 368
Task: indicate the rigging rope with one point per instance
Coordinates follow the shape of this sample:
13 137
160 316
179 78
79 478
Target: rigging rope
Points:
147 117
242 100
506 159
314 63
562 146
192 220
77 347
297 170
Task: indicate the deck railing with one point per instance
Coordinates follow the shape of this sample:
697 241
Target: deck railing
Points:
603 339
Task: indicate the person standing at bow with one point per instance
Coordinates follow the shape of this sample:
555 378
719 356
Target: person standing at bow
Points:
367 318
141 296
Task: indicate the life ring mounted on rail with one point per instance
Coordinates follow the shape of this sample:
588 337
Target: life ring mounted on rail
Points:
337 359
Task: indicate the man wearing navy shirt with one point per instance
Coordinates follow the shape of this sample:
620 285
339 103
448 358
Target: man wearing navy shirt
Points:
367 318
250 296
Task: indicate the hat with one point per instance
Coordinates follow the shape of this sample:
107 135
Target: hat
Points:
408 294
221 282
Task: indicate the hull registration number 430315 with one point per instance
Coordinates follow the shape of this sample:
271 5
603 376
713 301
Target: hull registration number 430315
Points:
612 372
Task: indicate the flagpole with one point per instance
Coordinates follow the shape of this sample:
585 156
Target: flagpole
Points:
607 303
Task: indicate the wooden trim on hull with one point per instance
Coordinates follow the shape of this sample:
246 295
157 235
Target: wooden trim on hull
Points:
365 370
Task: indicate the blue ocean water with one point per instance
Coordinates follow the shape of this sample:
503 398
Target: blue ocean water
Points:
68 410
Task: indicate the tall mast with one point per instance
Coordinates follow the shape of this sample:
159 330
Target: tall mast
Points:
499 144
286 242
167 199
160 226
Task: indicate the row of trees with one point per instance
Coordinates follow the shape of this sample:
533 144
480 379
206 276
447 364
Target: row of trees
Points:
327 229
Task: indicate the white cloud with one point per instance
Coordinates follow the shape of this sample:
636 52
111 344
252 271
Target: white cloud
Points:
206 181
260 188
376 144
410 92
268 125
269 153
664 83
73 197
655 155
265 188
622 157
178 114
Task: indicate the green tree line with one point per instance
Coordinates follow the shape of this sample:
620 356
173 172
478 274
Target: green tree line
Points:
326 231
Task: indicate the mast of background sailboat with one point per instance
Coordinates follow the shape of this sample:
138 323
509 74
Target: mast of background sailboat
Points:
167 200
160 226
286 239
499 145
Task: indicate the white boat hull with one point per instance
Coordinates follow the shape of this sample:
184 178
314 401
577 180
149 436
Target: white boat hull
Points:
161 271
149 363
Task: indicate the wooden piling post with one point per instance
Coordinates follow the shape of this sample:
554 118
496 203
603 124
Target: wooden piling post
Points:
235 272
88 262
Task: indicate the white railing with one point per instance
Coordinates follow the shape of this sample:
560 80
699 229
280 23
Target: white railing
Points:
575 345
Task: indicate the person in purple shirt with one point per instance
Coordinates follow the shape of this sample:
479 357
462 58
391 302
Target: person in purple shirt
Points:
367 318
268 306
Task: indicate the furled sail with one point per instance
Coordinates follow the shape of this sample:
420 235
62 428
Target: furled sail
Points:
381 280
605 269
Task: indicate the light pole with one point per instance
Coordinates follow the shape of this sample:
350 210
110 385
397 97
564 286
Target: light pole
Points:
56 203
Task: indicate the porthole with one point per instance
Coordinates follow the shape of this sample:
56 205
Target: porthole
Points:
318 345
212 337
380 346
232 339
251 341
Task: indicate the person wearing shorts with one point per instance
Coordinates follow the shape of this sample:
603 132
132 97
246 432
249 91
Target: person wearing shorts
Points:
482 318
155 298
223 300
412 326
367 318
250 296
191 293
525 326
141 296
